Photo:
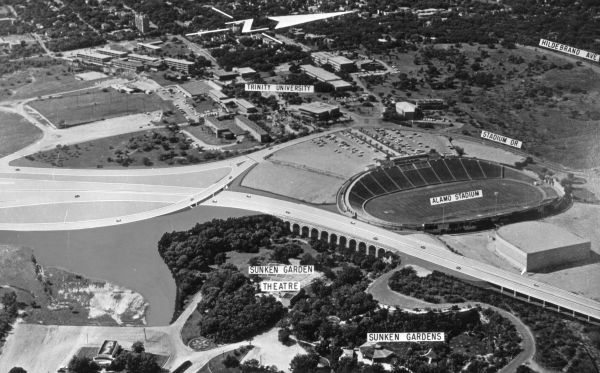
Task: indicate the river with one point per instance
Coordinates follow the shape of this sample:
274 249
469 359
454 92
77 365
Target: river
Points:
125 255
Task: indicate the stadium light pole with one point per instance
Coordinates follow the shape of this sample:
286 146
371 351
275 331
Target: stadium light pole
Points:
496 206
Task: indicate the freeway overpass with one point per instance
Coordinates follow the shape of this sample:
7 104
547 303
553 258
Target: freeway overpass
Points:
316 222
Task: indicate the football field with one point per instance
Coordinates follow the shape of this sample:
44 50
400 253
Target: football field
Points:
413 206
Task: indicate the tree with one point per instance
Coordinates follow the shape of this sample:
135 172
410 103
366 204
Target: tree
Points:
231 362
138 347
304 363
284 335
17 370
83 365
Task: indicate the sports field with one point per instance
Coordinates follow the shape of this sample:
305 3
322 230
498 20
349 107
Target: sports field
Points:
94 105
413 206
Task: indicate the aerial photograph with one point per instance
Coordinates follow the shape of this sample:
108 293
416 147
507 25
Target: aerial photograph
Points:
283 186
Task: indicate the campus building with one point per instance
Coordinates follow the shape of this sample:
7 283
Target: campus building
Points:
93 58
142 23
179 65
223 75
219 127
338 63
112 52
319 111
325 76
142 58
126 64
535 246
247 72
253 129
245 107
407 110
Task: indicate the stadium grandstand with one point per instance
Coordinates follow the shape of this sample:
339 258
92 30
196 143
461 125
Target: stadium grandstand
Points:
399 195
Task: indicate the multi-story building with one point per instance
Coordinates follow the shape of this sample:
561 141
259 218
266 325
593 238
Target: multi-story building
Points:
245 107
338 63
218 127
126 64
93 58
142 23
112 52
253 129
407 110
325 76
179 65
142 58
319 111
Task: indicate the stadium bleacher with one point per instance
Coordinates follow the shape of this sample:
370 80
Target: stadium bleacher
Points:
440 169
491 170
420 173
457 169
473 169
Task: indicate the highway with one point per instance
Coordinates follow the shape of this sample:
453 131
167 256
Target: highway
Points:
408 244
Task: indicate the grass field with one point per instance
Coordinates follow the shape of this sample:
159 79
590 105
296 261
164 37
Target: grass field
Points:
16 133
413 206
94 105
293 182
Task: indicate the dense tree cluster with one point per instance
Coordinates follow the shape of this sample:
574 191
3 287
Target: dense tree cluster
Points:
230 309
258 57
340 314
135 361
8 313
557 341
189 254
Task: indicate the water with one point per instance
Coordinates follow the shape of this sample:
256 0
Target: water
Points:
126 255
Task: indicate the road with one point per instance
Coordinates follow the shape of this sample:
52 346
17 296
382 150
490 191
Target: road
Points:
45 199
411 245
198 49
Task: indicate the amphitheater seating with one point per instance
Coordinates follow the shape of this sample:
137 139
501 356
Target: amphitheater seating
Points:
457 169
399 178
415 178
491 170
473 169
440 169
361 191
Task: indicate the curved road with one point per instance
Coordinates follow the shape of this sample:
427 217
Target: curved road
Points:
384 295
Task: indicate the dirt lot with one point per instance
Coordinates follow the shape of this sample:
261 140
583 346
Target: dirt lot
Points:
93 105
16 133
269 351
490 153
293 182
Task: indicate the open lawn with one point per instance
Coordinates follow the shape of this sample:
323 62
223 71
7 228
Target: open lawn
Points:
94 105
293 182
413 206
16 133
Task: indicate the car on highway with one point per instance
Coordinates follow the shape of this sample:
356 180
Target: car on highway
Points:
77 196
458 267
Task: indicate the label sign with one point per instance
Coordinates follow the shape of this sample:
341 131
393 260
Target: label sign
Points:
407 337
456 197
276 286
279 88
569 50
278 270
501 139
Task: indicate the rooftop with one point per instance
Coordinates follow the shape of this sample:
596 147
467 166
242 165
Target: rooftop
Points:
142 57
258 129
534 236
317 107
196 87
175 60
319 73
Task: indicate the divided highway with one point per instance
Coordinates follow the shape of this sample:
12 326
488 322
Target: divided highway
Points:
410 245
